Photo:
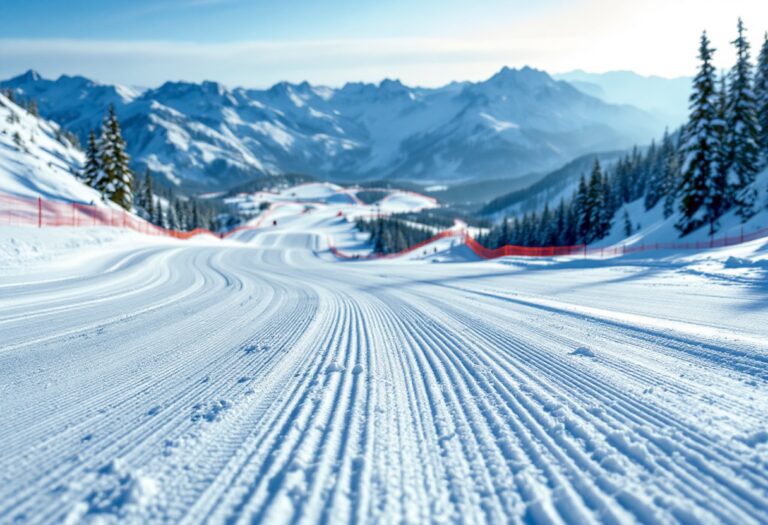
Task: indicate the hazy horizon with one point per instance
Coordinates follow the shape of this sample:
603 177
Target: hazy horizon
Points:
257 44
553 74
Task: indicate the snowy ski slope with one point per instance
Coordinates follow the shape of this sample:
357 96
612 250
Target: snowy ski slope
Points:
259 380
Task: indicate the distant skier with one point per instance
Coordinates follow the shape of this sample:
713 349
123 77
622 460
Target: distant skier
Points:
274 222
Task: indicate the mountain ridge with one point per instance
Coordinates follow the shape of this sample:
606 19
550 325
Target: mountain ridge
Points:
204 136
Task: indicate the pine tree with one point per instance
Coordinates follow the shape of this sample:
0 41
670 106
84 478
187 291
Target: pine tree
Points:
671 169
196 219
627 223
545 227
571 236
163 215
180 221
761 94
504 233
92 168
148 197
558 233
581 212
610 206
596 210
175 213
116 181
743 153
701 145
653 185
719 195
623 180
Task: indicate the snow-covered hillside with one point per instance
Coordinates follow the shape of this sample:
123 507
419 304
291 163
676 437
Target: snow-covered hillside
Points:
550 190
650 226
205 135
34 162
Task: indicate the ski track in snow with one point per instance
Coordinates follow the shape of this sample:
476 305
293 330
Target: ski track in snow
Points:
193 383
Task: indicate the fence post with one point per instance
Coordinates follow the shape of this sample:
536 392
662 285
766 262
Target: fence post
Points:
39 212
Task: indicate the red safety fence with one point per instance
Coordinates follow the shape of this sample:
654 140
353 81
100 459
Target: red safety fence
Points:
523 251
611 251
578 250
24 211
39 212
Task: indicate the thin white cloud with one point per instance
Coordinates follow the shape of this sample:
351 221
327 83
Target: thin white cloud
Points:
423 61
658 37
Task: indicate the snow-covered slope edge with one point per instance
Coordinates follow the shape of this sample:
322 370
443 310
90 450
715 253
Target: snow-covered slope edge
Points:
650 226
34 163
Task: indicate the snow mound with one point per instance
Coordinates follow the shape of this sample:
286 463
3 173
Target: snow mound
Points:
398 202
24 247
117 494
583 351
318 192
740 262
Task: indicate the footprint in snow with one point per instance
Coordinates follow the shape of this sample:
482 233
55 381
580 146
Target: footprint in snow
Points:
583 351
210 411
117 494
756 438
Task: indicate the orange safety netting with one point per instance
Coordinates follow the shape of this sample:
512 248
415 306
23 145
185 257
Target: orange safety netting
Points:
23 211
39 212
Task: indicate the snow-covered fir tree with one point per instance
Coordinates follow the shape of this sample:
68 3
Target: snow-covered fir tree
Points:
116 180
148 196
92 167
743 153
655 178
595 204
560 231
720 194
581 211
627 223
761 96
701 146
671 172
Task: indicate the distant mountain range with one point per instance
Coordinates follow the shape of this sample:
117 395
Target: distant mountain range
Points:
664 98
208 137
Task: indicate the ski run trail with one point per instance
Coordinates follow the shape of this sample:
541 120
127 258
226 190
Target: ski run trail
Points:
260 380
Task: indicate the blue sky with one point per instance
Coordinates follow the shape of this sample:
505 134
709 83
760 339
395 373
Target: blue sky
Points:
238 20
428 42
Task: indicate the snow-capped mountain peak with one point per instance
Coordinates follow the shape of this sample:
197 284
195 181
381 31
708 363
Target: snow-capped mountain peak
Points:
209 136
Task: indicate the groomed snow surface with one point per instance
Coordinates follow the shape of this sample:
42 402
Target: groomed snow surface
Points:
260 380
